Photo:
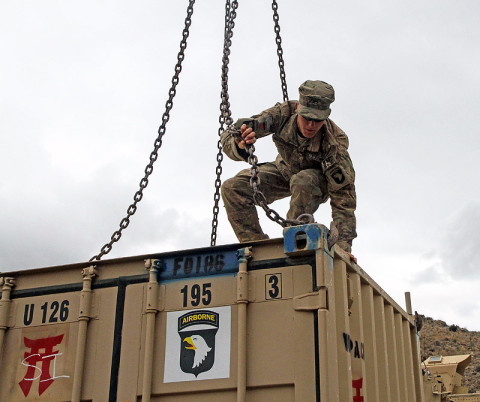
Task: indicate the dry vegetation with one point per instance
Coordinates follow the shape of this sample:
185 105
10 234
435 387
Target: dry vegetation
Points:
438 338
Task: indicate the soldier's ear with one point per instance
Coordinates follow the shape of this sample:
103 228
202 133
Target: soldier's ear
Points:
296 106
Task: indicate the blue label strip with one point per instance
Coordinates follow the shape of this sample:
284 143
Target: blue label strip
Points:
197 265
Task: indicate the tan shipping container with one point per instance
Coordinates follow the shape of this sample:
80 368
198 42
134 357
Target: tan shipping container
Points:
276 320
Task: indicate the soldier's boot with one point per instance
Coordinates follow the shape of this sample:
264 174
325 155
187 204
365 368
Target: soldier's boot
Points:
242 214
309 190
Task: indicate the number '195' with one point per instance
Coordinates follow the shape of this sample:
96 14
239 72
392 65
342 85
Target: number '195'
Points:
197 294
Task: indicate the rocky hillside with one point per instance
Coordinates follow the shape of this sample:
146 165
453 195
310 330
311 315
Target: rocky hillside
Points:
438 338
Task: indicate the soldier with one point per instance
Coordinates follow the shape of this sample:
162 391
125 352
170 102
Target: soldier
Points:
312 165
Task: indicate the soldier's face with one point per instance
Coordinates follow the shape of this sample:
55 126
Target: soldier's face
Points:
309 128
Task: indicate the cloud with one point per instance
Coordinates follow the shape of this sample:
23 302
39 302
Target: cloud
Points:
57 217
446 301
79 232
453 258
460 246
158 230
432 274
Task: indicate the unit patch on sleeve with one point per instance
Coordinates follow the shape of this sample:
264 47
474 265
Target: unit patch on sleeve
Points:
197 344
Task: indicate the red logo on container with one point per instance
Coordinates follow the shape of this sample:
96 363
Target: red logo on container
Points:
41 351
357 384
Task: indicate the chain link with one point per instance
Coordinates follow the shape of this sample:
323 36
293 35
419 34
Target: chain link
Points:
278 40
158 142
225 113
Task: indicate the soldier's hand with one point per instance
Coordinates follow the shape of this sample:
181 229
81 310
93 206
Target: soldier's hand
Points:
248 137
352 257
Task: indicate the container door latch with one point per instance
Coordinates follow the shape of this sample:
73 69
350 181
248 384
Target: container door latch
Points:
317 300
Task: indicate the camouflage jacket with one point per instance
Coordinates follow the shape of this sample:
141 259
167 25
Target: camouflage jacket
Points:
327 152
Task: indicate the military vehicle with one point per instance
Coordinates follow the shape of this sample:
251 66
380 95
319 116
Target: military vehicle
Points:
442 379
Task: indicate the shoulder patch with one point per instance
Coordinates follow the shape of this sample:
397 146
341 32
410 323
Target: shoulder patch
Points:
338 176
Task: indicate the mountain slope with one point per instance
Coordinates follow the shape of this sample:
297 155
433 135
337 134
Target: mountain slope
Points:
437 338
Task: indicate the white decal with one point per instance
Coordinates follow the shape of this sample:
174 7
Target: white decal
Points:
198 344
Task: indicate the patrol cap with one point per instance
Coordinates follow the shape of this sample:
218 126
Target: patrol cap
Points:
315 99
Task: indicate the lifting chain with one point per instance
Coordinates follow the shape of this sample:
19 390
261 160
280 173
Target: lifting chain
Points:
225 113
258 196
278 40
158 142
225 117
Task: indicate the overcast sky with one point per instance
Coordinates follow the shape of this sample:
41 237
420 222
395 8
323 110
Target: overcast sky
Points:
83 89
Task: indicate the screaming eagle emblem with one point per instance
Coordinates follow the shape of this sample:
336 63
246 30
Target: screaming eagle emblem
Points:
197 330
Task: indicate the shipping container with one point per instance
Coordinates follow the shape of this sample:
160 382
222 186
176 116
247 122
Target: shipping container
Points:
275 320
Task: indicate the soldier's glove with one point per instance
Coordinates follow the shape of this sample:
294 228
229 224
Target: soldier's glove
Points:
260 123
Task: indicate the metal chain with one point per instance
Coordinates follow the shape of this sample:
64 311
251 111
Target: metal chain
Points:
225 118
158 142
278 40
225 113
259 197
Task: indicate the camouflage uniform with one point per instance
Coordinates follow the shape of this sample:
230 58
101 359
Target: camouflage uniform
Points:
308 170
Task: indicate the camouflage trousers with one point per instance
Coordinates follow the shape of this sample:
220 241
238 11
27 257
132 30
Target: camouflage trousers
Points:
307 188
